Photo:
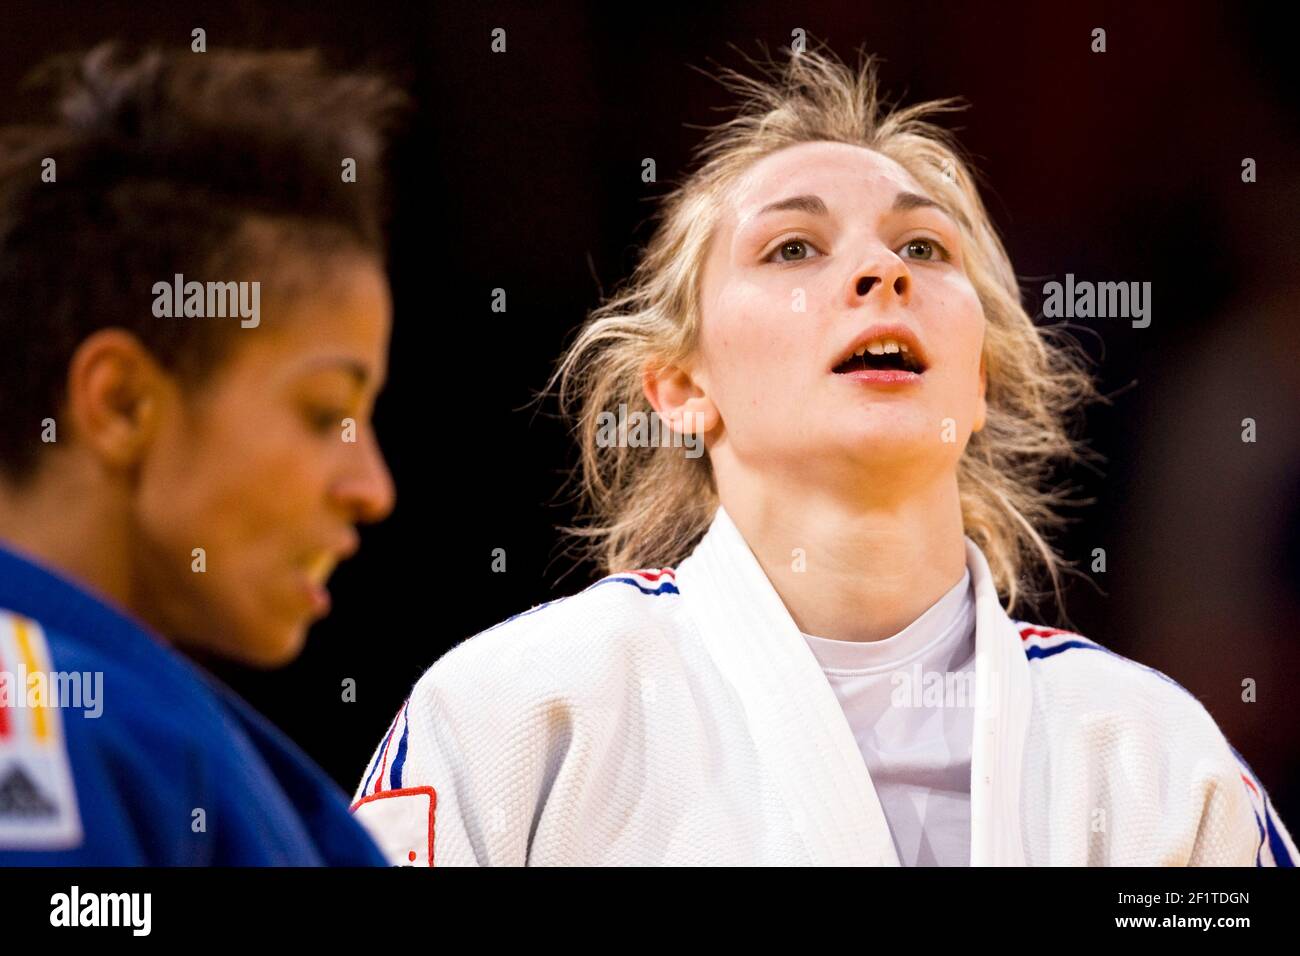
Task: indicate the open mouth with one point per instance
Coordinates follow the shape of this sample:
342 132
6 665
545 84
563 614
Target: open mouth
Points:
882 354
320 567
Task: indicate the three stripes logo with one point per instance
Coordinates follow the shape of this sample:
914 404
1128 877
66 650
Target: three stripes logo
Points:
38 803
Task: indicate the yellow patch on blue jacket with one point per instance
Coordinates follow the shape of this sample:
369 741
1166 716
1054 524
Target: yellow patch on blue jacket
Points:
38 802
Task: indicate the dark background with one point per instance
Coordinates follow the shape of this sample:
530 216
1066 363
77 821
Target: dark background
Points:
522 171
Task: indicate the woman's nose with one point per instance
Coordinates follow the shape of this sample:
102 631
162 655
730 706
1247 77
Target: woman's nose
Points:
367 491
883 274
865 283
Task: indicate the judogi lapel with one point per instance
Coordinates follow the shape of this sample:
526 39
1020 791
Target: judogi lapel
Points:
800 729
1003 700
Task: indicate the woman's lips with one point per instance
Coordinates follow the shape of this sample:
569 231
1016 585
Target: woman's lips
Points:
312 578
315 568
881 376
317 596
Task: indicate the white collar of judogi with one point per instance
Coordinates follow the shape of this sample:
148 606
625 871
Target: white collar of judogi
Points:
801 731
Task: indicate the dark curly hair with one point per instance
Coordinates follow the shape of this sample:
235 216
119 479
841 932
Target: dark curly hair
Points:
161 158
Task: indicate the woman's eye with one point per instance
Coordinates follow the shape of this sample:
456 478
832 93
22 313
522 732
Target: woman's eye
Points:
326 420
793 250
925 249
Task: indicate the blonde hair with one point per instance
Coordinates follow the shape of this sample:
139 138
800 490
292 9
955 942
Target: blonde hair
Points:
648 507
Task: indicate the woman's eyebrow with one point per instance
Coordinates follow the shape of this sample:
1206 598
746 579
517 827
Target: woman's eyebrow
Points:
814 205
357 371
905 201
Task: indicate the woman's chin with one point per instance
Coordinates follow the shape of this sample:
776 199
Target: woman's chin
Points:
269 646
881 446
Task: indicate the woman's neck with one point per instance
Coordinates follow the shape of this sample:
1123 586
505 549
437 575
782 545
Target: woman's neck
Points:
73 526
854 570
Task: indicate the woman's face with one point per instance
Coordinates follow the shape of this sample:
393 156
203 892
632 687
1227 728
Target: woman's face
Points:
822 249
258 469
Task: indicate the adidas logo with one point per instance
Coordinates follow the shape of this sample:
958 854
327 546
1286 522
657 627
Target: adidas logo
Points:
20 798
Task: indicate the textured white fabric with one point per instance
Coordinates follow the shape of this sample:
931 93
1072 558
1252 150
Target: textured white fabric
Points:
909 703
661 718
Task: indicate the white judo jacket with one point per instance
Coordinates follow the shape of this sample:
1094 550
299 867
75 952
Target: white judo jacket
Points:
678 717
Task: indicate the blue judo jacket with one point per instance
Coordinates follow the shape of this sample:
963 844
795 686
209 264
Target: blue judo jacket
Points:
115 750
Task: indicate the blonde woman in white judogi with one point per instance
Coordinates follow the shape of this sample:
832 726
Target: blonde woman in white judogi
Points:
819 668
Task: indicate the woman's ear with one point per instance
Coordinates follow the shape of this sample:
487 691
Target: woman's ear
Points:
679 400
115 396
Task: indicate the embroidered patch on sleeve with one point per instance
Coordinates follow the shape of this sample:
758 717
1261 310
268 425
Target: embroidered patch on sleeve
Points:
38 803
402 823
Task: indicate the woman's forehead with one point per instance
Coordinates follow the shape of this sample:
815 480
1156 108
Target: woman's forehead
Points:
827 170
